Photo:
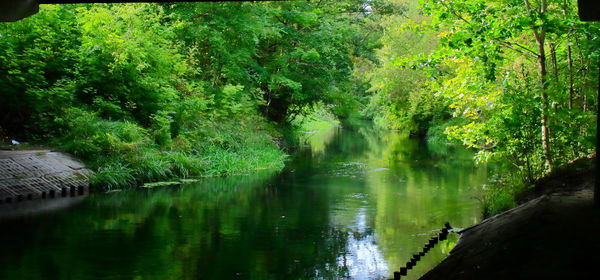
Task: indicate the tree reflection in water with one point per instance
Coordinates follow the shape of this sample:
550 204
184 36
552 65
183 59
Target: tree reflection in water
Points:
352 203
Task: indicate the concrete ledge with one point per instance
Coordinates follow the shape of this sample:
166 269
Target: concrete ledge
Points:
40 174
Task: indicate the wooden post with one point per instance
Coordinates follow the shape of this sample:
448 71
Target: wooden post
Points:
403 271
433 241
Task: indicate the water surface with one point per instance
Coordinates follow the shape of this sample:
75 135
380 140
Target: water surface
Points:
352 203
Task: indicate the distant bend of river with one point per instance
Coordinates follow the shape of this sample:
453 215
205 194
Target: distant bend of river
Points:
352 203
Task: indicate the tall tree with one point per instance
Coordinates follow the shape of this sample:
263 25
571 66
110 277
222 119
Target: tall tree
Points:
539 25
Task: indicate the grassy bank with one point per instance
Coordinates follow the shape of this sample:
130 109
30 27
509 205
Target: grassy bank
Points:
124 154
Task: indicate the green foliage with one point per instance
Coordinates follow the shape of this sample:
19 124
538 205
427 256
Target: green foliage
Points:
161 128
318 117
495 87
497 200
113 176
129 59
499 195
147 92
402 96
126 154
36 61
471 69
492 75
279 56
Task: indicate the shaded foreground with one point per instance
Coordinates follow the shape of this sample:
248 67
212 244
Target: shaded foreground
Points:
550 237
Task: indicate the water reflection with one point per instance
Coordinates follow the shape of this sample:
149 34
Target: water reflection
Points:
26 208
363 259
353 203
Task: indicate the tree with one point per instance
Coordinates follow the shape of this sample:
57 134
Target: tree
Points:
503 36
496 72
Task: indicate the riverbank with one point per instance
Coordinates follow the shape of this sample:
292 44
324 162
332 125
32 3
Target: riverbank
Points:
551 235
124 154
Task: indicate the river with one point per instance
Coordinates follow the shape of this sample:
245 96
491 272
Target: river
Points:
351 203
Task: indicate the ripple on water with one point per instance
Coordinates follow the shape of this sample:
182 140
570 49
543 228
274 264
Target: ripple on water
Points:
352 169
347 169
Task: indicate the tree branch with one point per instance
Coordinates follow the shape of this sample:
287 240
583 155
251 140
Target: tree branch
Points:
522 51
456 14
524 48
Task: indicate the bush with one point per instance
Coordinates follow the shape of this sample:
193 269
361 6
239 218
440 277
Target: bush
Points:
126 154
499 195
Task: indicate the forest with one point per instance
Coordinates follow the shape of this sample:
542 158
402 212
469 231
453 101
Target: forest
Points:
515 80
148 92
145 92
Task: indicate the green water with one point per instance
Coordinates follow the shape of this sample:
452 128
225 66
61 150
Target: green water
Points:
351 203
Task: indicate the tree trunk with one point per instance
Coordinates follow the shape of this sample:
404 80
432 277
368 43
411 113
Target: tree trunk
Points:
569 60
571 89
555 73
545 103
540 38
554 66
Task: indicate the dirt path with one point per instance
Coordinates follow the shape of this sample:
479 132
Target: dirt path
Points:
553 236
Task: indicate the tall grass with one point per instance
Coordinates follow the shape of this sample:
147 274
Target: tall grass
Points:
500 194
125 154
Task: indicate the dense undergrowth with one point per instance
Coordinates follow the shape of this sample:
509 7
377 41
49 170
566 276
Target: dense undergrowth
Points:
499 194
516 81
125 154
